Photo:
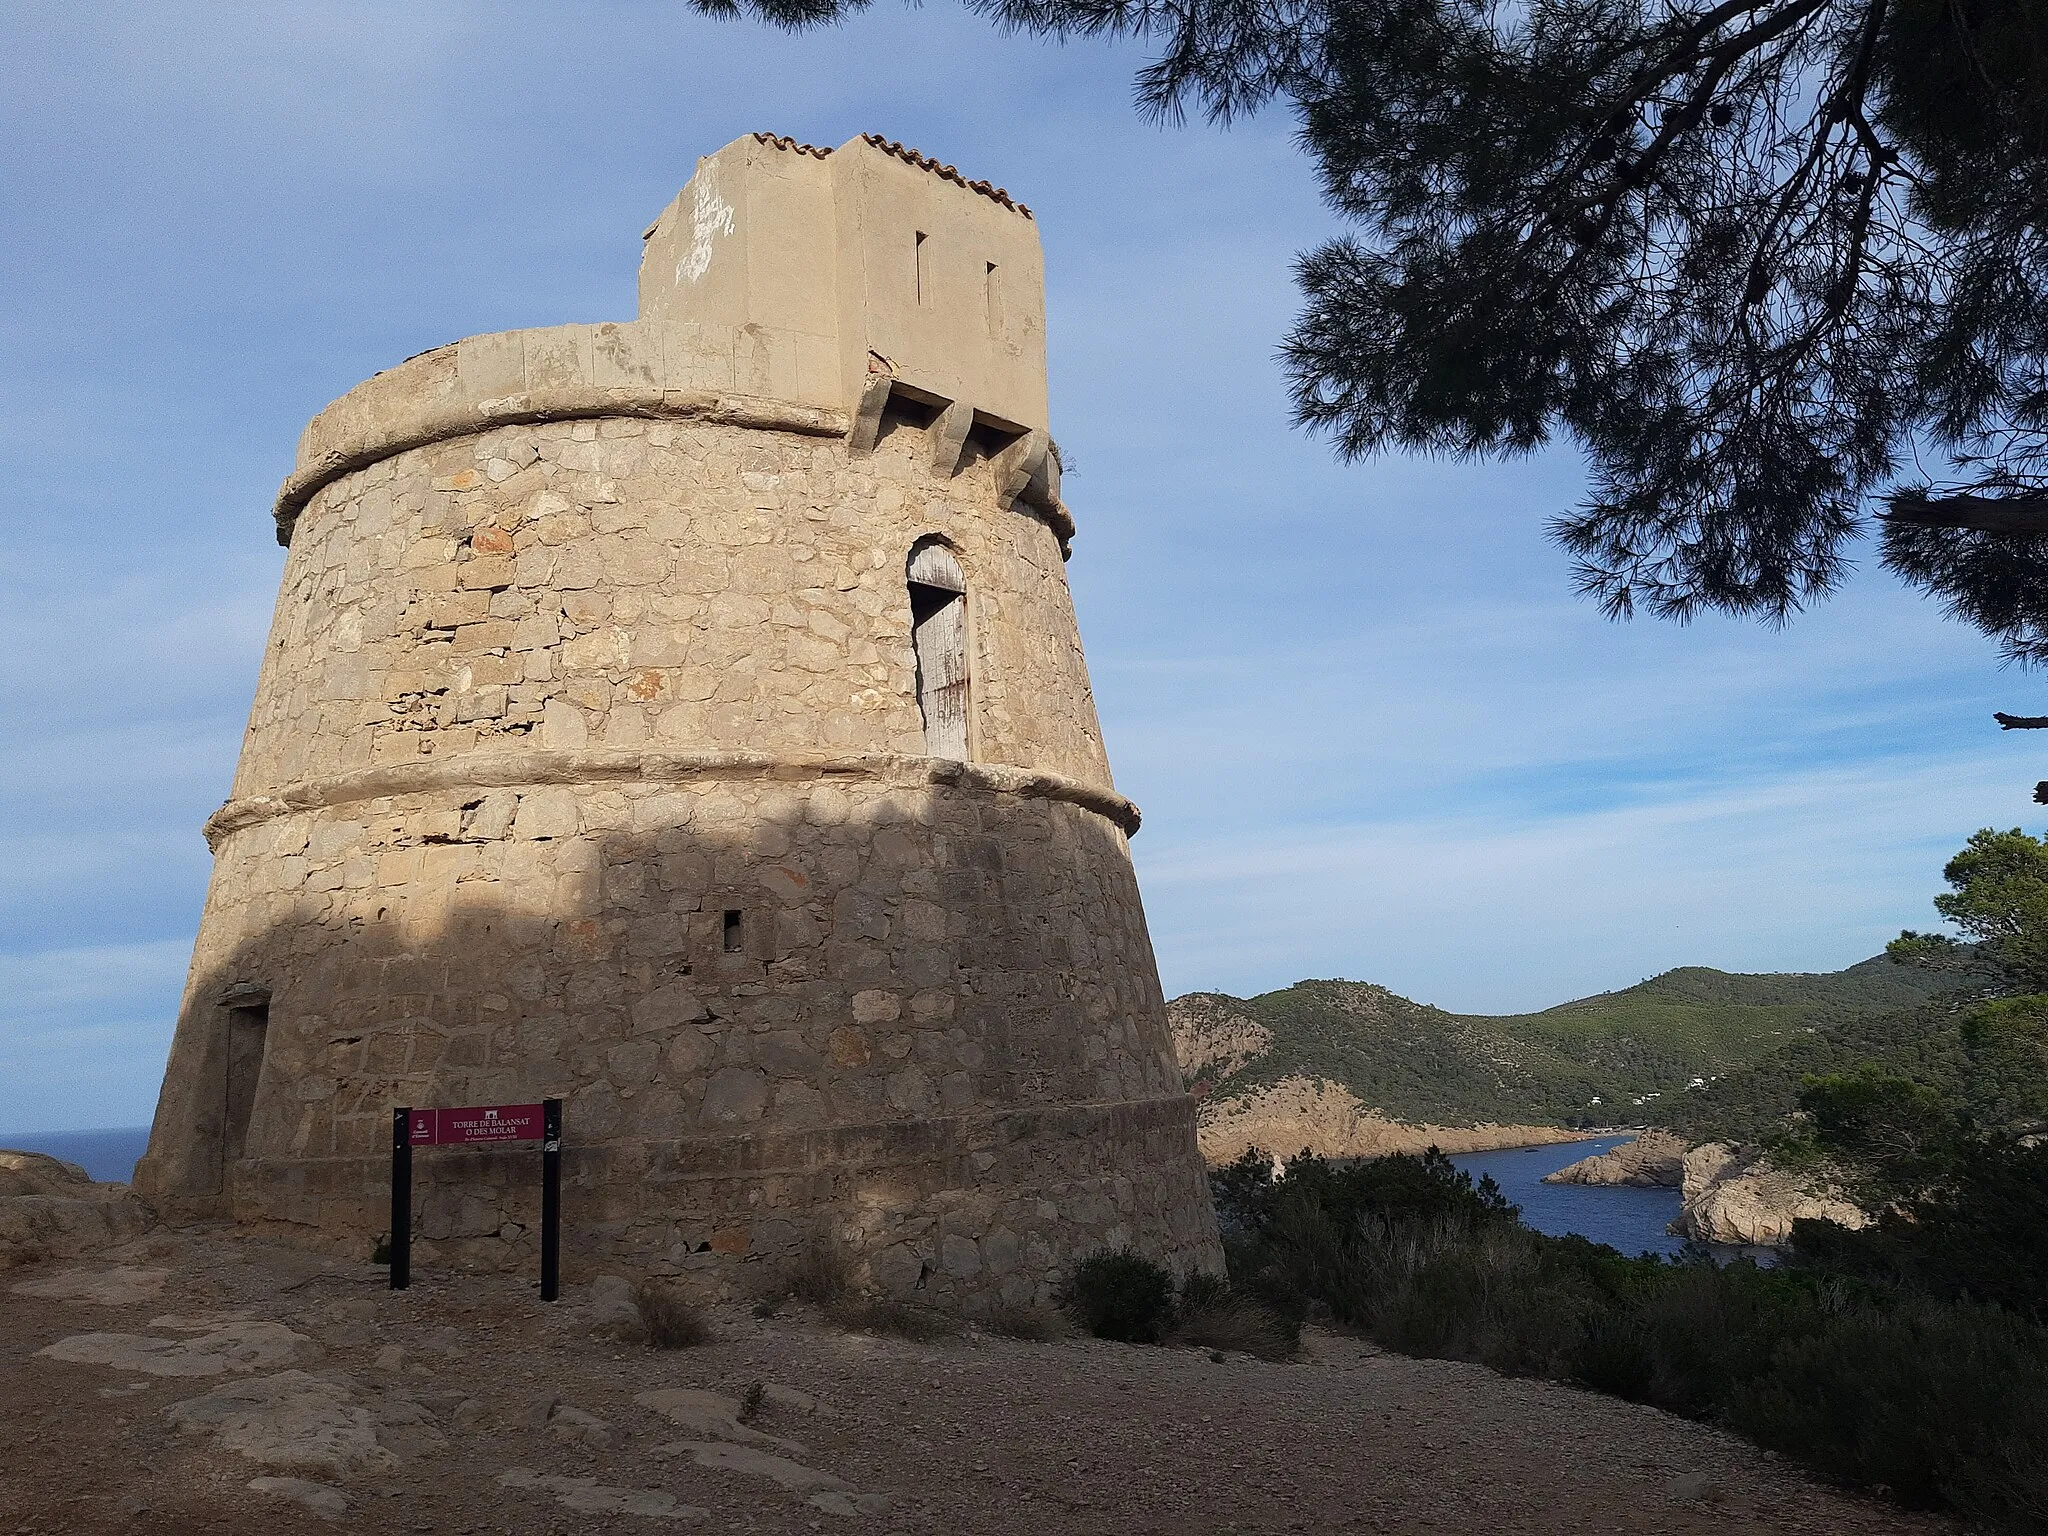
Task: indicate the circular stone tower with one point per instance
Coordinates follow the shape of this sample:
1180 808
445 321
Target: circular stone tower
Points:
686 718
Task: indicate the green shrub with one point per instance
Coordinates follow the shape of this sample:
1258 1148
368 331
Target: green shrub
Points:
1861 1373
1981 1235
1944 1404
1120 1296
750 1402
1237 1324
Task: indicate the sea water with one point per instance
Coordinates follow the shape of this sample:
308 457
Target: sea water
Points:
1632 1220
109 1156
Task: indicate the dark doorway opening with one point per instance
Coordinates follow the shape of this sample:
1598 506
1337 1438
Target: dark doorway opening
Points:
248 1029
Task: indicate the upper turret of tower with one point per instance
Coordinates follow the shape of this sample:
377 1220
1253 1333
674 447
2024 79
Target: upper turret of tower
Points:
805 274
817 288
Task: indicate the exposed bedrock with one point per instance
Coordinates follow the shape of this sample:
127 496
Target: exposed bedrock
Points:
1654 1160
1732 1194
53 1210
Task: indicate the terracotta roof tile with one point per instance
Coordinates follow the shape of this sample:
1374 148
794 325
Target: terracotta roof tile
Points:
925 162
908 156
783 141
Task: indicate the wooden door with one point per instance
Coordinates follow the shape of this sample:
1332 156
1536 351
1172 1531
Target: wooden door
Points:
938 613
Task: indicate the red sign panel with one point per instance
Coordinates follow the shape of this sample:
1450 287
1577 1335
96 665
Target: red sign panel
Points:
476 1126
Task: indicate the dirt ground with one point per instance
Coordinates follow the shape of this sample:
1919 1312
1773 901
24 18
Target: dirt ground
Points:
466 1405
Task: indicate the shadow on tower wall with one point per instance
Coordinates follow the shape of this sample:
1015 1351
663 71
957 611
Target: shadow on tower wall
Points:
923 1023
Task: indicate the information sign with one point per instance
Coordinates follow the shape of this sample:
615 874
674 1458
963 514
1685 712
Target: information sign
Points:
480 1125
476 1126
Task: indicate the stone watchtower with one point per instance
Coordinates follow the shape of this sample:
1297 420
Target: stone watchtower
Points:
686 718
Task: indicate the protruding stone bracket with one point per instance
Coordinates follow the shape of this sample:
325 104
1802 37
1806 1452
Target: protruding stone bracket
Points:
947 438
867 414
1026 468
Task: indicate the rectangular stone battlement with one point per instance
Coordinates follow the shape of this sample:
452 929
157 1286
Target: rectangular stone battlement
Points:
799 274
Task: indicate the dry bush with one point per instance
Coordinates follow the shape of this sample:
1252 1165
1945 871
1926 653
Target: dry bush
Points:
668 1320
1234 1323
884 1314
1037 1325
821 1275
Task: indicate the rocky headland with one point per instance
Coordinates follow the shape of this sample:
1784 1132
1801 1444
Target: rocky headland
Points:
1728 1192
1300 1114
1216 1042
1654 1160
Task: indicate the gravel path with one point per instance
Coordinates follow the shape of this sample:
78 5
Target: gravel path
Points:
467 1406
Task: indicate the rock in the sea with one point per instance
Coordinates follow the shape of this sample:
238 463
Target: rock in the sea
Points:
1733 1195
1654 1160
51 1209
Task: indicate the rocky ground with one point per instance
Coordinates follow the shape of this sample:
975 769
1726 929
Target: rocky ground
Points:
199 1382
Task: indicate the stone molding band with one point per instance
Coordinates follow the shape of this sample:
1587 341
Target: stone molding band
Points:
511 770
441 421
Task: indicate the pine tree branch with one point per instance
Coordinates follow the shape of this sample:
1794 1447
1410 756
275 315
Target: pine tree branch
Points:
2023 513
2020 722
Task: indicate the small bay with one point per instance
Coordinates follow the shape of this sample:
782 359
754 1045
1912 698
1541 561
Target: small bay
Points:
1625 1218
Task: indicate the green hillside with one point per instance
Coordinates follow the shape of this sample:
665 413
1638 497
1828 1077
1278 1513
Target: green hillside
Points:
1999 1076
1598 1060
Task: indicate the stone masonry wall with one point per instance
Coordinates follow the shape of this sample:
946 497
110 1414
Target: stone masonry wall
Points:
539 707
645 584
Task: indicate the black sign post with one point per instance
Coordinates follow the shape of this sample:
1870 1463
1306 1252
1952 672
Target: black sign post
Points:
401 1199
550 1199
484 1125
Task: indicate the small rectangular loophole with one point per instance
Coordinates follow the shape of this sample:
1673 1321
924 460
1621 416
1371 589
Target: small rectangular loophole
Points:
735 934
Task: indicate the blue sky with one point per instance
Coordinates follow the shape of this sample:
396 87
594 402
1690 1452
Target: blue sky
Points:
1372 732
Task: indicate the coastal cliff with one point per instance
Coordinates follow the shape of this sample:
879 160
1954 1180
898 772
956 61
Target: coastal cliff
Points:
1313 1114
1733 1194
